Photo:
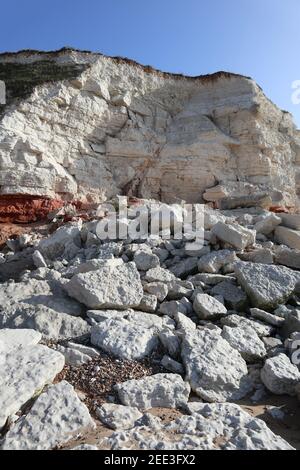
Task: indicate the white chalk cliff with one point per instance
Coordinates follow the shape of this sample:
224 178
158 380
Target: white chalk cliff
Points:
83 126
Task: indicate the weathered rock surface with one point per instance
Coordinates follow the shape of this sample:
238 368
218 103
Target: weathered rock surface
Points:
56 417
11 340
160 390
118 416
24 372
287 236
208 307
280 376
235 235
109 287
217 426
266 285
213 262
246 341
215 370
124 339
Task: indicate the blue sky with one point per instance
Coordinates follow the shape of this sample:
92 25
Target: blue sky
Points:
259 38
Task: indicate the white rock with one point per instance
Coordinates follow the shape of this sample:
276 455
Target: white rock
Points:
236 429
246 341
54 246
124 339
215 370
208 307
287 236
160 390
24 372
159 289
118 417
234 297
50 323
56 417
239 321
159 275
109 287
11 340
266 285
171 365
145 260
214 261
39 260
267 317
290 220
236 235
280 376
267 223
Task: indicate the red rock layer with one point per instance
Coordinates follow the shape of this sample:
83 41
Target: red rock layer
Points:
26 209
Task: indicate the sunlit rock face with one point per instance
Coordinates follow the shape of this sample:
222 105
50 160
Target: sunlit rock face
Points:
82 126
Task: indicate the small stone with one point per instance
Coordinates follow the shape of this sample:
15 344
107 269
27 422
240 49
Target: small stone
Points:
159 289
267 317
280 376
172 365
118 417
39 260
208 307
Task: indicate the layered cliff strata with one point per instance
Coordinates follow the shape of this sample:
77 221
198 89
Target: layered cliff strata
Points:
83 126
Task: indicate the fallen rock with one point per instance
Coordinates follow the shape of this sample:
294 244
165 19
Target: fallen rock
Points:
11 340
288 257
290 220
246 342
160 390
249 200
240 321
56 417
159 275
234 297
39 260
24 372
216 371
280 376
266 285
267 223
145 260
236 429
159 289
55 245
110 287
287 236
124 339
118 417
236 235
50 323
267 317
208 307
171 365
214 261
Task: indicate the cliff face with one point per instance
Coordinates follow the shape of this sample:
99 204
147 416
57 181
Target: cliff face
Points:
82 126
